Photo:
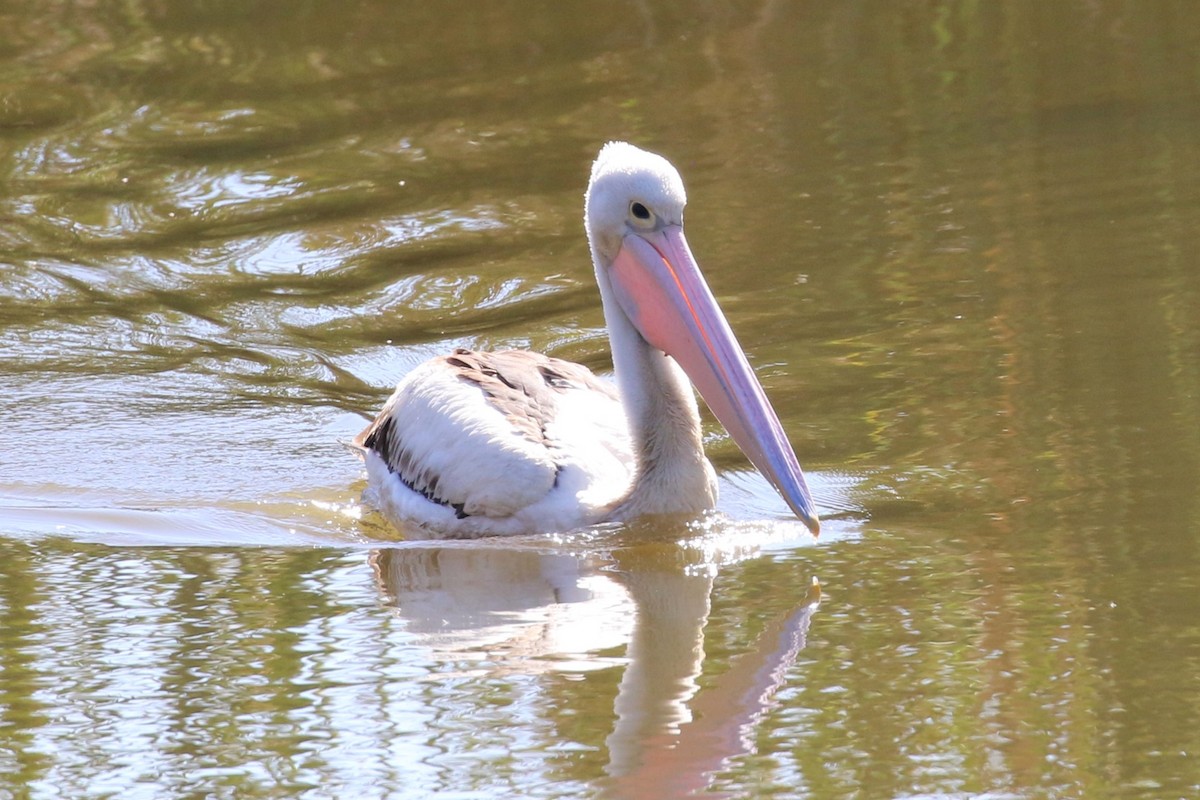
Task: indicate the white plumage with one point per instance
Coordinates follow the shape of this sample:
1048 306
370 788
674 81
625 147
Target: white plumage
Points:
515 442
460 450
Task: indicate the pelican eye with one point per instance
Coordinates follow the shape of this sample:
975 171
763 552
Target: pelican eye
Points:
639 211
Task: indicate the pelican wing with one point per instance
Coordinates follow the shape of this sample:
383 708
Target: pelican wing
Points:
476 432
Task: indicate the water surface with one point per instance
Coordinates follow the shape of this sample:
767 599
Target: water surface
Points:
957 240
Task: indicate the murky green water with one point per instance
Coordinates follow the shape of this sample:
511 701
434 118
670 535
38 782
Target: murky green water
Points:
959 241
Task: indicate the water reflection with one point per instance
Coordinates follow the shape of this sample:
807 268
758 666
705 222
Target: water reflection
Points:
519 609
512 607
959 239
671 736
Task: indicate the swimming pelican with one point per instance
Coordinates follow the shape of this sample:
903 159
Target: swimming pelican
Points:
508 442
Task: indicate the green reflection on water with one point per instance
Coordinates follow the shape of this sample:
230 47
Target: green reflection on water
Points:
957 239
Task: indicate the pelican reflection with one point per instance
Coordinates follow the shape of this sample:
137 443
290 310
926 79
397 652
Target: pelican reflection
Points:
542 608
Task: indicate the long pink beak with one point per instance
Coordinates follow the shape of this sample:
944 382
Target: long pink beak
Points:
660 288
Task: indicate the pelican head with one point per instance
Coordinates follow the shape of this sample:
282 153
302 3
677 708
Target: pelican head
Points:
634 219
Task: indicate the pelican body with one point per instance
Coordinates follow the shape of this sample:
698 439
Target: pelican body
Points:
511 442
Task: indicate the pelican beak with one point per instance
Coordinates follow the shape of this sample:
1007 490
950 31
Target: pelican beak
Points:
659 287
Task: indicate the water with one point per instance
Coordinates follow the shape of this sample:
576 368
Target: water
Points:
957 240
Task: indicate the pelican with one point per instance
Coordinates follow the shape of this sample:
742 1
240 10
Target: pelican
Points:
513 442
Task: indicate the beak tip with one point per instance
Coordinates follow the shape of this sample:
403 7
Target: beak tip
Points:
803 507
807 513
